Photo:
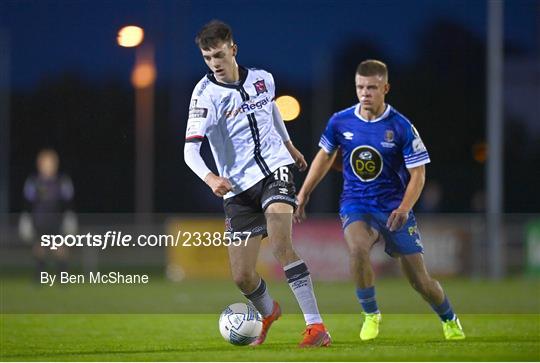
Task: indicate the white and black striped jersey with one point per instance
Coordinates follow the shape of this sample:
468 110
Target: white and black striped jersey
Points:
237 120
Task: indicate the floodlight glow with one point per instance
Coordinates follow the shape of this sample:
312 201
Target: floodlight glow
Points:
480 152
130 36
289 107
143 75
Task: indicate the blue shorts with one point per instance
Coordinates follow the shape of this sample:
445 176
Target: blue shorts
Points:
404 241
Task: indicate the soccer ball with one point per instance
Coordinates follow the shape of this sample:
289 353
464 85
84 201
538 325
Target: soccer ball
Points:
240 324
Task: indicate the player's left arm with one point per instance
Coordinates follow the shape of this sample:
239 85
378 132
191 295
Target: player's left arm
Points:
415 156
399 216
279 124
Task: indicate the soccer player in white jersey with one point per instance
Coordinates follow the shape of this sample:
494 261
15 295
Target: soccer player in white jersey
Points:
383 168
233 108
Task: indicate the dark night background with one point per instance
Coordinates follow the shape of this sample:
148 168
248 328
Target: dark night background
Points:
70 88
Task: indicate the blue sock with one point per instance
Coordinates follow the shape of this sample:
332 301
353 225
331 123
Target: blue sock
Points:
367 299
444 310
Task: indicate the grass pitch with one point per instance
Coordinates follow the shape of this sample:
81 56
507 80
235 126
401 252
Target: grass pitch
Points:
510 331
195 337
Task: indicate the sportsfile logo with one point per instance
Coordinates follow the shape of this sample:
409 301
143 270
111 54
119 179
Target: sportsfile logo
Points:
247 107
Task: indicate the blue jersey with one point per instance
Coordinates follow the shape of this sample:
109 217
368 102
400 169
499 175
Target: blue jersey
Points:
376 155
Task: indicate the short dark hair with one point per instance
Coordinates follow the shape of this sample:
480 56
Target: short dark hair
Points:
214 33
372 67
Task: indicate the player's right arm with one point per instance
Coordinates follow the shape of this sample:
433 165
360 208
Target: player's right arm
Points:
319 168
201 117
192 156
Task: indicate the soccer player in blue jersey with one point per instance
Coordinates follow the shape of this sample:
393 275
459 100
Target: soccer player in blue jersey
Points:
384 172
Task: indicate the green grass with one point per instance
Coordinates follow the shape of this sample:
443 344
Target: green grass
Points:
178 322
195 337
19 295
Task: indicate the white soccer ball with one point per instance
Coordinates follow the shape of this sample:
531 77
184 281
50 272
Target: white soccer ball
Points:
240 324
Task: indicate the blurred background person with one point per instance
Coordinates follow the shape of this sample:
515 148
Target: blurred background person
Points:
48 198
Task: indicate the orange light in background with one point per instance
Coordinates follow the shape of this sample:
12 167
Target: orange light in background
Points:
130 36
480 151
144 75
289 107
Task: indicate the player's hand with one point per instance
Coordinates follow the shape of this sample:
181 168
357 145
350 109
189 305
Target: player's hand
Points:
300 213
397 219
297 156
219 185
300 161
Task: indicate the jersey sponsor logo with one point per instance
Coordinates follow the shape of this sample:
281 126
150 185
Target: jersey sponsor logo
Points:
197 112
366 163
247 106
366 155
388 144
348 135
260 87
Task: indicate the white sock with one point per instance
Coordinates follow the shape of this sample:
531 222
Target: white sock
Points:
261 299
299 280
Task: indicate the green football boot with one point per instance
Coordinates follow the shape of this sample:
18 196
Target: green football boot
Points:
370 328
452 329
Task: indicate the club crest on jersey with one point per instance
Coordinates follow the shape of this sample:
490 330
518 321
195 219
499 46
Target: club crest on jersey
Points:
389 135
388 139
260 87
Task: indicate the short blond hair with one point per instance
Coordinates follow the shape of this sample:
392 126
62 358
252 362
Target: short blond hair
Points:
372 67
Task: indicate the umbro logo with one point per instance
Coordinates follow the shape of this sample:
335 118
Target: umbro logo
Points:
348 135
